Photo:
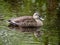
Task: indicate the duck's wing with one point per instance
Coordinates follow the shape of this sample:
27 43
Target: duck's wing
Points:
19 19
26 21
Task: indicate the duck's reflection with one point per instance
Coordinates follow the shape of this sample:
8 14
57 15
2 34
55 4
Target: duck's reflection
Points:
35 30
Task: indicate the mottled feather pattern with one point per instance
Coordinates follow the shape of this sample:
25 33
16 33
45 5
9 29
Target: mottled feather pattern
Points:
25 21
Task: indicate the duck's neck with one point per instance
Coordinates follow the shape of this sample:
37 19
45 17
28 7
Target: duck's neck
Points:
39 22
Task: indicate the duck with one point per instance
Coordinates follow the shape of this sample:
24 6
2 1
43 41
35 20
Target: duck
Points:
27 23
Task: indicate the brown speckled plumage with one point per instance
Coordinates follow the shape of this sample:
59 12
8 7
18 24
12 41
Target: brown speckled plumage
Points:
25 21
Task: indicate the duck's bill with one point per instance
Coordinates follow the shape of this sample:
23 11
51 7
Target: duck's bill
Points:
41 18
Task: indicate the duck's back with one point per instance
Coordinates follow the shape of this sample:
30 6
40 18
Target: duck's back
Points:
25 21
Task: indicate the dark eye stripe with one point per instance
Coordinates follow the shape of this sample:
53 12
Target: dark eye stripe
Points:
36 14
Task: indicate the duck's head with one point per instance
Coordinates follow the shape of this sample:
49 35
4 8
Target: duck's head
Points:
36 16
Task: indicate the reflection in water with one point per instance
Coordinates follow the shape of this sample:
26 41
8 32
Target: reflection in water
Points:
35 30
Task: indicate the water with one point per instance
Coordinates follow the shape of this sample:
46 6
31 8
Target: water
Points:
16 37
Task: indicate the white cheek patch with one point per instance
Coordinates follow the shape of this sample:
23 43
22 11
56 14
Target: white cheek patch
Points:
35 17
